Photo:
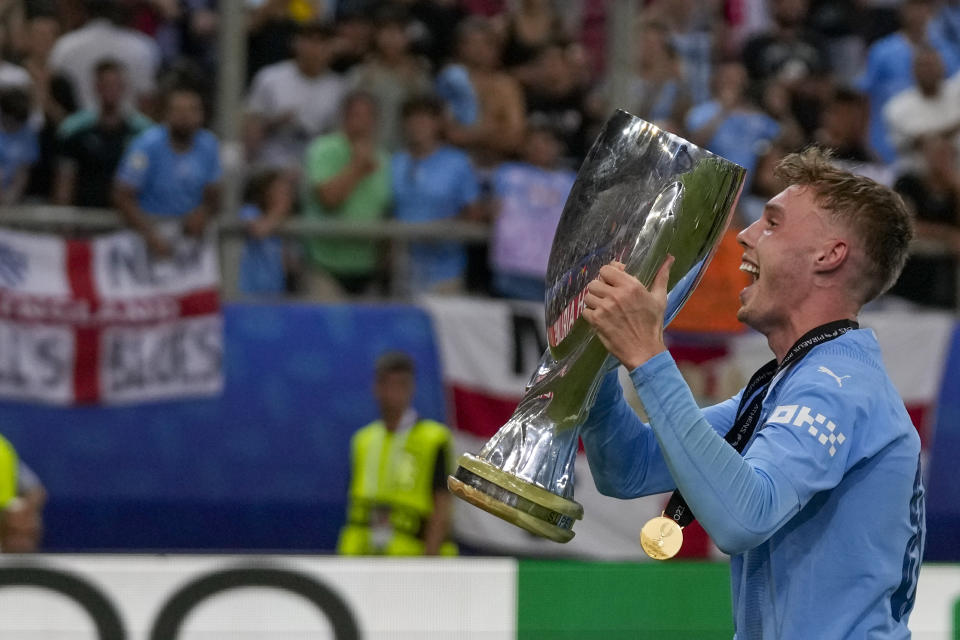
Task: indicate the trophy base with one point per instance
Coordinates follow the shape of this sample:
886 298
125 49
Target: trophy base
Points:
515 500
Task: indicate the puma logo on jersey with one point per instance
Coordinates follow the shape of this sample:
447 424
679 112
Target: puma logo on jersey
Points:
839 379
828 433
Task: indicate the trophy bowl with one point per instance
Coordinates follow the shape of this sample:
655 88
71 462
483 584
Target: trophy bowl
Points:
642 193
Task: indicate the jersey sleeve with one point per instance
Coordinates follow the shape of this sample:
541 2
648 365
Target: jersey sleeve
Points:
700 115
135 164
214 169
321 161
468 185
739 504
625 457
806 439
31 148
27 479
259 101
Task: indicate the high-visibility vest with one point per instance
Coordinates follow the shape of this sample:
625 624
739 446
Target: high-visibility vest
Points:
393 471
8 472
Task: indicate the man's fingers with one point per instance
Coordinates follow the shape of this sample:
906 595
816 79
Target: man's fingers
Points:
590 301
598 288
659 285
614 273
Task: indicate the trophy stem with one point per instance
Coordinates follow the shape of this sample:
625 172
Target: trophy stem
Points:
515 500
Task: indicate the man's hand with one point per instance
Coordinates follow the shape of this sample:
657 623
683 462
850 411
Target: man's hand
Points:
628 317
262 227
364 156
195 222
158 246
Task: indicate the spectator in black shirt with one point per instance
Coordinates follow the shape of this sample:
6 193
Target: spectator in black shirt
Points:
93 141
353 41
843 127
787 51
556 100
433 28
790 56
53 98
933 196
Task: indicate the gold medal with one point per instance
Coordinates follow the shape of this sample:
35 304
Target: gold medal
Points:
661 538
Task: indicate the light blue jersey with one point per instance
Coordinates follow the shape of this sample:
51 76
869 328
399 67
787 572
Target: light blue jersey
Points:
823 515
167 182
436 187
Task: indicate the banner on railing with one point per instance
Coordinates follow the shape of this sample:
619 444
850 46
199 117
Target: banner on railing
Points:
88 321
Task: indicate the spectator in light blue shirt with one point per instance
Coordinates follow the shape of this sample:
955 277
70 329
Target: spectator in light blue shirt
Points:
433 181
266 204
171 170
530 196
18 144
729 125
945 26
889 68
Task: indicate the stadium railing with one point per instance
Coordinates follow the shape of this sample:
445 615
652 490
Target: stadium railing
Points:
231 234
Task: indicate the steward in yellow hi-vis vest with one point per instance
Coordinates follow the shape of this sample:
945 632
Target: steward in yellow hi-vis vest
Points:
8 472
398 502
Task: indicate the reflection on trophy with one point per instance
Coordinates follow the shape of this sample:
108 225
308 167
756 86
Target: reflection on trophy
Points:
641 193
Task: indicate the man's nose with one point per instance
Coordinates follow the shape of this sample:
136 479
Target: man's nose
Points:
745 237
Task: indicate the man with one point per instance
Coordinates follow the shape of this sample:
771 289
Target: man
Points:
889 66
392 74
294 101
931 191
77 53
171 171
92 142
787 52
730 125
433 181
398 501
823 514
844 132
556 98
929 108
18 144
529 197
348 178
497 132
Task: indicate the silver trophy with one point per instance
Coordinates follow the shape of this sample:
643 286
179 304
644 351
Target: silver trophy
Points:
641 193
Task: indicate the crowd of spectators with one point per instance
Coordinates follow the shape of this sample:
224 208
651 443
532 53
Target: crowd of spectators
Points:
480 110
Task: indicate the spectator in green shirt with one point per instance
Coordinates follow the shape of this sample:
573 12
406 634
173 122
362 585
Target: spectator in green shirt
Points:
347 177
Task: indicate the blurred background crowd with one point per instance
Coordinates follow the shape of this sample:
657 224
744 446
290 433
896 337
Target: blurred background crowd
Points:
476 110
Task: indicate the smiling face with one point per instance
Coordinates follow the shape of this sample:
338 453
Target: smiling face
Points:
781 251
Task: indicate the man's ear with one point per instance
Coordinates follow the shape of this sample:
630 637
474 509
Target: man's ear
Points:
833 253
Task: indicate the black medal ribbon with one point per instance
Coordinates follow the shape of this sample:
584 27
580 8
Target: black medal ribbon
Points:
748 413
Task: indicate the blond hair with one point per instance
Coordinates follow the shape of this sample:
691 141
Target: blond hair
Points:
876 213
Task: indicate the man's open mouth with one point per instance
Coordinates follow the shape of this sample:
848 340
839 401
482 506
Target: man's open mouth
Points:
750 268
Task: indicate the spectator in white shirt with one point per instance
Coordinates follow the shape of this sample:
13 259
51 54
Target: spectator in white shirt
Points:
76 55
294 101
13 76
931 107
